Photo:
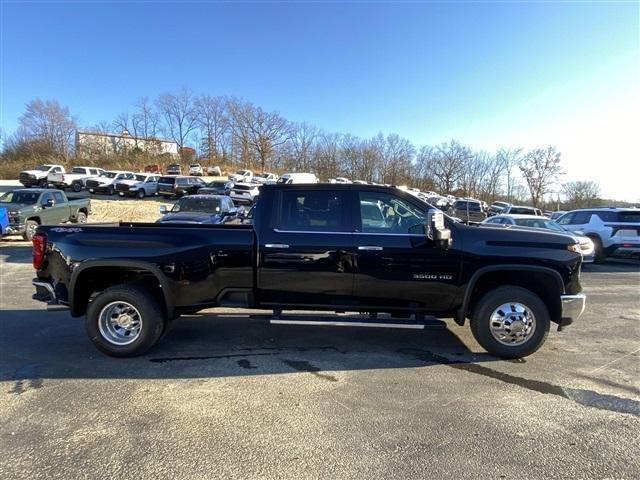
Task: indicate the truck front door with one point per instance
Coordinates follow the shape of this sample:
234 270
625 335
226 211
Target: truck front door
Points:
306 255
397 265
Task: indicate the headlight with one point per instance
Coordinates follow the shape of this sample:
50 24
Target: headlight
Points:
15 213
574 247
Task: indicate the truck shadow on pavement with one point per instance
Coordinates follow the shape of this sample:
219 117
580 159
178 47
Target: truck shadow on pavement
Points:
210 346
15 250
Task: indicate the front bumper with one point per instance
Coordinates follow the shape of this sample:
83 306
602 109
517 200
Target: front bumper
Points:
14 229
572 307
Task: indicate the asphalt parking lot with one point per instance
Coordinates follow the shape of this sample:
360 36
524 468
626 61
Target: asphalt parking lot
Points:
225 396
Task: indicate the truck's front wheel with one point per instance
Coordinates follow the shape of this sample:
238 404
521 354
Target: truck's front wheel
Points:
30 229
510 322
124 321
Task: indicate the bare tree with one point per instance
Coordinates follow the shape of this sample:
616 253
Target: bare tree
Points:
145 120
46 121
446 163
239 113
179 114
212 119
494 175
397 155
540 169
301 141
510 159
265 131
581 194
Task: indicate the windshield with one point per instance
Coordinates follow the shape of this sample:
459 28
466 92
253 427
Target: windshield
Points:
141 178
108 175
284 180
242 172
193 204
195 165
43 168
21 198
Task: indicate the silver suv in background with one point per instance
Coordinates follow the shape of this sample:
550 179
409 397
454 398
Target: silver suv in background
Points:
614 231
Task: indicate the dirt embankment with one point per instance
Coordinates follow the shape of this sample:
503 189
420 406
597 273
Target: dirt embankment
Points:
147 210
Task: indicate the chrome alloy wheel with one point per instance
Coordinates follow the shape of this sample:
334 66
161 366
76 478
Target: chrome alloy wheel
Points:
512 323
120 323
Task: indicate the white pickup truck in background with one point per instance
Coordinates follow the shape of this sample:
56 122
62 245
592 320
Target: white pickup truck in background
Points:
38 176
74 180
242 176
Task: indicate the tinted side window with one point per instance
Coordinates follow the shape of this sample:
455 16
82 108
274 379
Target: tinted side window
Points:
565 219
386 213
57 196
580 218
45 198
608 216
317 210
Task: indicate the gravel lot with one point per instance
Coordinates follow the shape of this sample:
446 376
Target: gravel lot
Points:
227 396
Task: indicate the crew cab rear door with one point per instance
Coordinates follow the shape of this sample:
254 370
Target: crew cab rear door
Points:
396 264
306 253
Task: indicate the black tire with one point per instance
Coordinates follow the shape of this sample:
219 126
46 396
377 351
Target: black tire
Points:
43 183
599 256
152 319
481 321
76 187
81 218
140 193
30 229
110 190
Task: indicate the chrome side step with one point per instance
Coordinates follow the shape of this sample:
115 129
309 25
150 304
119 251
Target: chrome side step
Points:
335 323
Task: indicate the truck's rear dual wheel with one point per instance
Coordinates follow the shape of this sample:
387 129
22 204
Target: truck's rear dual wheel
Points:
510 322
124 321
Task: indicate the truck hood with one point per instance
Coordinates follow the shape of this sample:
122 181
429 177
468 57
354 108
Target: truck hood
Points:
14 207
517 235
35 173
102 180
190 217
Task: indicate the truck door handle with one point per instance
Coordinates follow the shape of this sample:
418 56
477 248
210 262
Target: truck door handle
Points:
276 245
369 248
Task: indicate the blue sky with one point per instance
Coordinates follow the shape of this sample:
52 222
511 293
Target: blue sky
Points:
488 74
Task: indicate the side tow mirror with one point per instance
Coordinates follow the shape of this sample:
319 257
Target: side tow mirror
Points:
436 230
163 209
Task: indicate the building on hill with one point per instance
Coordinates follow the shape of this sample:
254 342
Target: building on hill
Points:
97 144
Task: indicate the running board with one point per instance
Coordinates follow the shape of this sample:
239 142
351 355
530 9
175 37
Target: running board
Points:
334 323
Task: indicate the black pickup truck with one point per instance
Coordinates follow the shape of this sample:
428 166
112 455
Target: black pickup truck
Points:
352 248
